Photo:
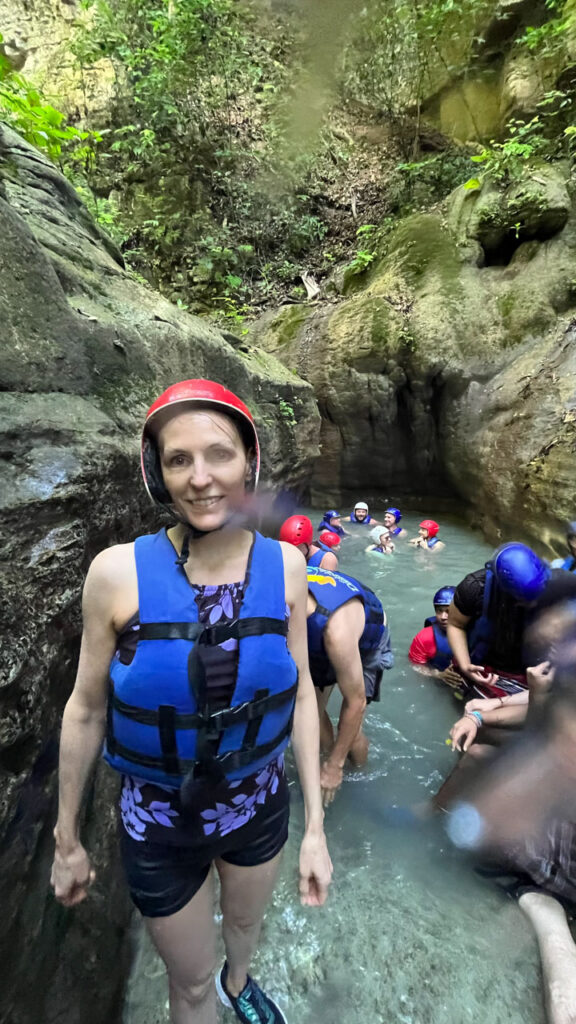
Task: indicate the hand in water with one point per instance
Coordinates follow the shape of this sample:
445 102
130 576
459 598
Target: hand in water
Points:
330 781
72 875
315 870
463 733
452 677
478 674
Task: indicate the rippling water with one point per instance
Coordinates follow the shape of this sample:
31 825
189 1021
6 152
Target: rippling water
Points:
410 935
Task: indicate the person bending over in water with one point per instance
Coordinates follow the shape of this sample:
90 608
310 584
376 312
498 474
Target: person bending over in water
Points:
194 667
382 541
348 646
331 521
430 652
568 563
428 536
297 530
392 517
361 515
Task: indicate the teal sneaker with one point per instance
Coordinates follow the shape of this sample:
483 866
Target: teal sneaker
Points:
252 1006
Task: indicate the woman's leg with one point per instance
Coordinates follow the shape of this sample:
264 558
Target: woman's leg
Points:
245 892
557 953
186 942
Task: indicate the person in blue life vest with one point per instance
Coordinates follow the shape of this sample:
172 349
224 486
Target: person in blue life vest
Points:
428 538
361 515
348 647
193 669
569 562
430 652
297 530
383 544
332 521
391 519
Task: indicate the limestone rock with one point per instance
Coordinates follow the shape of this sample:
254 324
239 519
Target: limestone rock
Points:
85 349
449 375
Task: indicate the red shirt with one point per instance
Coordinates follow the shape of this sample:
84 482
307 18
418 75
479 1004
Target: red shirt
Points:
423 647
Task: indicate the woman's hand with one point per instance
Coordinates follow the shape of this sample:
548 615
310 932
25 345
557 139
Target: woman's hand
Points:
72 875
478 674
315 869
483 704
463 733
331 776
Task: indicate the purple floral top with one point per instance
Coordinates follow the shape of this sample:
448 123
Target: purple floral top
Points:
157 814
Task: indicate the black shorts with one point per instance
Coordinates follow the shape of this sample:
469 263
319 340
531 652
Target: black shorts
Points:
163 877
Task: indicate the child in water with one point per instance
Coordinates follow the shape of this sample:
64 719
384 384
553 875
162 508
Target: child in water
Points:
383 542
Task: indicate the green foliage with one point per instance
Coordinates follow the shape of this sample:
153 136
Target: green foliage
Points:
287 412
25 110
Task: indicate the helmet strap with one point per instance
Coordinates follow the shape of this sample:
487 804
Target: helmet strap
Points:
193 533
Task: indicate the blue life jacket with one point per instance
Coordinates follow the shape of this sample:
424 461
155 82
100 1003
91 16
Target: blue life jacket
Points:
160 725
325 525
317 557
569 564
443 655
331 590
431 542
361 522
396 531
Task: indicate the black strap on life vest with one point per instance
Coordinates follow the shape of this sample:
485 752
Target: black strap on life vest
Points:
231 761
209 724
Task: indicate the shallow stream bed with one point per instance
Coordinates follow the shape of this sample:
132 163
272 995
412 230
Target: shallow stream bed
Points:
410 935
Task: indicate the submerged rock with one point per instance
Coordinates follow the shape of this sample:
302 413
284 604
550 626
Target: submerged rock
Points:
85 349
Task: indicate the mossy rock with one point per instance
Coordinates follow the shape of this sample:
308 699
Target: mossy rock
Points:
423 246
538 207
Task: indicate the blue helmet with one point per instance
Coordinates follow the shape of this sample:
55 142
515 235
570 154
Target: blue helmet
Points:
520 572
331 514
444 595
395 512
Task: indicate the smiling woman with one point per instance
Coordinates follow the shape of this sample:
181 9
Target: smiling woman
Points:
201 630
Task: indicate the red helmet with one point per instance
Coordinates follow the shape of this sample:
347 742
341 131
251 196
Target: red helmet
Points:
431 526
203 394
331 540
297 530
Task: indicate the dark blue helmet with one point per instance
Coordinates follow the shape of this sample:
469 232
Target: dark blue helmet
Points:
571 529
444 595
520 572
395 512
331 514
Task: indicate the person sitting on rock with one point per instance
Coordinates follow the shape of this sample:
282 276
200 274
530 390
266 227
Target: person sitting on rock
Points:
392 517
331 521
361 514
568 563
430 652
428 536
383 544
348 646
298 530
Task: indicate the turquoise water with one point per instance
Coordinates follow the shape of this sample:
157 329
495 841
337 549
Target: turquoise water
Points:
409 934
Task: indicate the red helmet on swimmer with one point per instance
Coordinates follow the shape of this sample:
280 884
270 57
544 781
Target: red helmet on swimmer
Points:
297 530
331 540
200 394
431 526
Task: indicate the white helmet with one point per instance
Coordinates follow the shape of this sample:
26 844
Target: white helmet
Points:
361 504
377 532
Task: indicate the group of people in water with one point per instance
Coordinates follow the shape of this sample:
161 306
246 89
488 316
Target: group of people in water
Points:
207 647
